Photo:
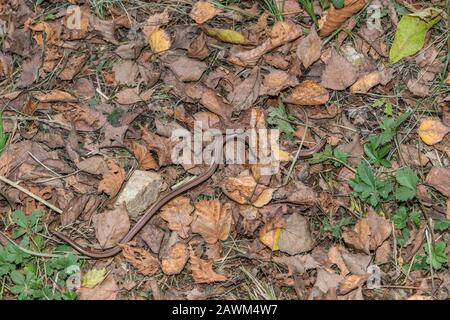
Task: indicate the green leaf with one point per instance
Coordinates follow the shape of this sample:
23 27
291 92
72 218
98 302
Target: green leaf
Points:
411 33
17 277
442 225
226 35
341 156
368 187
3 135
94 277
407 179
400 217
415 217
279 118
437 254
338 4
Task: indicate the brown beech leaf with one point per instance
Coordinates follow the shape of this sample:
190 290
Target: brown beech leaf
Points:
55 95
214 103
198 48
245 94
270 232
132 95
86 204
282 32
178 213
412 156
366 82
350 283
339 73
212 220
111 226
162 146
295 235
140 259
432 131
203 11
369 233
245 190
107 290
175 259
186 69
308 49
333 18
439 179
112 180
308 93
275 81
143 157
202 271
72 68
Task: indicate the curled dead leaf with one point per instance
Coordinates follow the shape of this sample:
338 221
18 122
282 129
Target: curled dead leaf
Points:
140 259
366 82
175 259
112 180
178 213
55 95
333 18
143 157
202 271
212 220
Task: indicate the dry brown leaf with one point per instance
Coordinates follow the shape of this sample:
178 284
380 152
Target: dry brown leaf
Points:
369 233
308 49
112 180
295 236
270 232
212 220
175 259
203 11
439 179
132 95
162 146
126 72
245 94
366 82
155 21
186 69
308 93
282 32
72 68
55 95
159 41
240 189
202 271
333 18
140 259
339 73
178 213
107 290
432 131
111 226
350 283
276 81
214 103
335 257
298 264
412 156
198 48
143 157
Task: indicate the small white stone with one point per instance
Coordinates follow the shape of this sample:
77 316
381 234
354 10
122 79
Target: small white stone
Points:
141 191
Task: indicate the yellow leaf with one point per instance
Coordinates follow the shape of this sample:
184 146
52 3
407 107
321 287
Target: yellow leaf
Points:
226 35
159 41
432 131
93 277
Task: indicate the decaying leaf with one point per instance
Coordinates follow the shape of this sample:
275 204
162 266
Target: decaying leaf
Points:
270 233
308 93
93 277
203 11
107 290
339 73
282 33
245 94
111 226
175 259
55 95
159 41
245 190
212 220
432 131
295 236
112 180
144 157
333 18
369 233
202 271
140 259
366 82
178 213
308 49
438 178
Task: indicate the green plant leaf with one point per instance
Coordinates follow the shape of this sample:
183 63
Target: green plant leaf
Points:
3 135
442 225
279 118
411 32
400 218
407 179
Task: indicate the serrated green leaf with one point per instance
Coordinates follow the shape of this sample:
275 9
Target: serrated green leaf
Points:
415 217
442 225
400 217
411 33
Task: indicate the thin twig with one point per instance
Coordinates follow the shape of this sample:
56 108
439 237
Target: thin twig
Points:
29 193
